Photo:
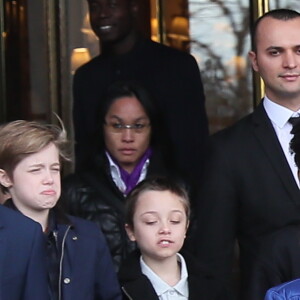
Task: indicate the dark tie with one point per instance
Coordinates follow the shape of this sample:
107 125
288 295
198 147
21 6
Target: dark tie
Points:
295 121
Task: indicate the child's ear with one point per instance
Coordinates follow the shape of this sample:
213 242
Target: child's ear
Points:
130 232
187 224
4 179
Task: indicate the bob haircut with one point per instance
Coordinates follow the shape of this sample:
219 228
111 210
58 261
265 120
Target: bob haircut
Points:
20 138
157 183
278 14
122 89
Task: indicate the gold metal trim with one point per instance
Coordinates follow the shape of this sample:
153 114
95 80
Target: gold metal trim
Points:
259 8
52 58
2 65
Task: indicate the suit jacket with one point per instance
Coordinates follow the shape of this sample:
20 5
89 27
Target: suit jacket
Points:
173 79
23 274
248 192
278 261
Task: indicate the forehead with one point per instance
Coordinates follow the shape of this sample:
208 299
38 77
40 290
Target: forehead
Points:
126 105
160 201
49 154
273 32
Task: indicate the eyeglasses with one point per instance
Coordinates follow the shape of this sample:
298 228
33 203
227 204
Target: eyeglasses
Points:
119 127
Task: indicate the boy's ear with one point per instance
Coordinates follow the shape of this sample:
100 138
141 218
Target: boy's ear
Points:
4 179
130 232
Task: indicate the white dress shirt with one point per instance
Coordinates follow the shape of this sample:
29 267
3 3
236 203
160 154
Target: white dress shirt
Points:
180 291
279 116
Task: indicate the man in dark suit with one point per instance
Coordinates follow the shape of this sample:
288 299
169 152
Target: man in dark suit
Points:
23 273
170 75
251 186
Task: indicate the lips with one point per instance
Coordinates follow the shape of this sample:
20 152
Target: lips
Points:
165 242
290 76
127 151
49 193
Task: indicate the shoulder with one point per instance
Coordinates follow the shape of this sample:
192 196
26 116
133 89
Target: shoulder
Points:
284 241
287 290
15 220
243 130
158 50
88 69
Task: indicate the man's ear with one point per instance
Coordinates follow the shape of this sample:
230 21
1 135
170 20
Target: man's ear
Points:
130 232
134 7
253 59
4 179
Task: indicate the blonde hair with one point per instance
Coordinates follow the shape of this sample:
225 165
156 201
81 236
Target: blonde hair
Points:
20 138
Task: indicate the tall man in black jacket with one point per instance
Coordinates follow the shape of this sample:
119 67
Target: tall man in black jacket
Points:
171 76
251 187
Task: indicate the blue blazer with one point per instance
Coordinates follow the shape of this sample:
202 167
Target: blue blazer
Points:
286 291
87 270
23 273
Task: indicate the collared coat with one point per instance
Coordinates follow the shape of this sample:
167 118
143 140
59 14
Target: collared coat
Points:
23 274
136 286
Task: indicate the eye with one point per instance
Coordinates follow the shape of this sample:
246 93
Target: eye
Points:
117 125
274 52
113 3
55 169
175 221
93 6
150 222
35 170
139 126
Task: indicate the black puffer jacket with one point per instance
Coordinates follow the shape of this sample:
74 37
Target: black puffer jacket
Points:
94 196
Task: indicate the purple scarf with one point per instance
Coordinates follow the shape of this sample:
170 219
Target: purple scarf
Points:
131 179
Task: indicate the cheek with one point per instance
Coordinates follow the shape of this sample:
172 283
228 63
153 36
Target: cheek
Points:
110 141
144 141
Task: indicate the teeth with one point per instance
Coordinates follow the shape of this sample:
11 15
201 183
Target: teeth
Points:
165 242
107 27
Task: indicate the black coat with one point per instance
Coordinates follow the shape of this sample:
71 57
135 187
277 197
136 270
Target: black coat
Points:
278 261
137 286
248 192
93 195
171 76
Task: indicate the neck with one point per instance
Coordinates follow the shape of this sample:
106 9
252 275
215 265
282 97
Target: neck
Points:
292 103
121 46
167 269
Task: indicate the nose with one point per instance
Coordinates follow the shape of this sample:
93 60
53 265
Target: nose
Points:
164 229
104 11
48 178
290 60
127 135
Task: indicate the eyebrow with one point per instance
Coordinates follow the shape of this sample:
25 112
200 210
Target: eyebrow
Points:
42 164
156 212
280 48
137 119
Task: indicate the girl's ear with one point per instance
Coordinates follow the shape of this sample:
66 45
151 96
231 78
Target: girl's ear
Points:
130 232
4 179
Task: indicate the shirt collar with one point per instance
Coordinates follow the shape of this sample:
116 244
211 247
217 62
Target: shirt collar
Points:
116 173
160 286
278 114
